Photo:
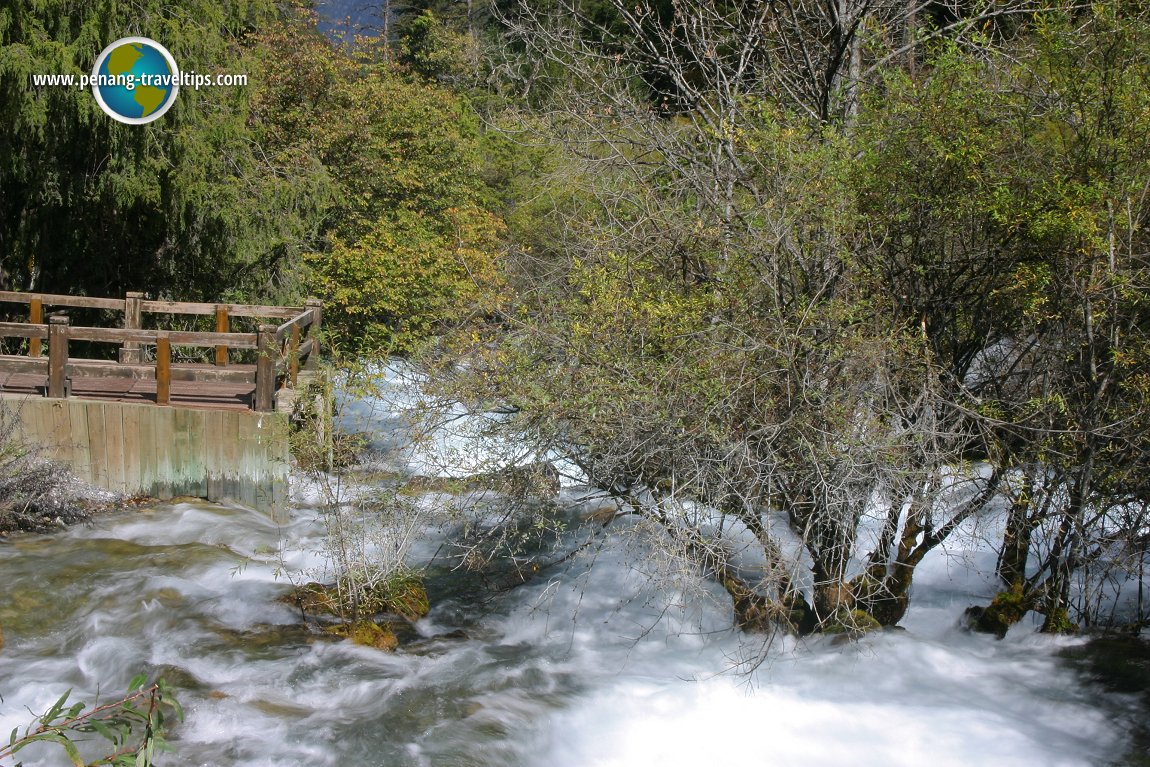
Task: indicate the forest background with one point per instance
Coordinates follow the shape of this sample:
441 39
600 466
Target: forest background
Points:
763 272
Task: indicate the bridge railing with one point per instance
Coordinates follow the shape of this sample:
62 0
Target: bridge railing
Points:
282 349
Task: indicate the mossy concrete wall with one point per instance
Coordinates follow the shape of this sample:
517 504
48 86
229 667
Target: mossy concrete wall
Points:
163 452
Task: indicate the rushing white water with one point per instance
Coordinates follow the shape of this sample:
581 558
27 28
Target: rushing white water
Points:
590 664
573 669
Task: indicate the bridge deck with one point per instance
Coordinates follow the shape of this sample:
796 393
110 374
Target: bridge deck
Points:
215 395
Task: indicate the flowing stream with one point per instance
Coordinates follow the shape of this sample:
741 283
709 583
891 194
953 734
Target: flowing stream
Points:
589 664
583 666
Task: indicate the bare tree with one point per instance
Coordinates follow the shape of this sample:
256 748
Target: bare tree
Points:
770 362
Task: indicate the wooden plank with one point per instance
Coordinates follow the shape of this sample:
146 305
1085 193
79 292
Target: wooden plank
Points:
305 351
178 337
164 441
28 411
12 297
230 340
26 384
293 356
51 299
114 445
234 374
61 425
149 452
163 370
112 335
130 350
222 326
134 448
299 321
235 310
81 445
154 307
35 317
81 368
197 441
247 441
312 357
12 364
23 330
266 370
98 442
223 395
230 455
57 357
183 463
214 467
103 388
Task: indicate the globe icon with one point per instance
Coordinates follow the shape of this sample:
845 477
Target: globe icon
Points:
135 80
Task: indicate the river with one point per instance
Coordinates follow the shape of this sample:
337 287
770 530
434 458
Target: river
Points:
585 665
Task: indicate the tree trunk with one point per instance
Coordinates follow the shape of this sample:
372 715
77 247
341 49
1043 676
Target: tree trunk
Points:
1016 538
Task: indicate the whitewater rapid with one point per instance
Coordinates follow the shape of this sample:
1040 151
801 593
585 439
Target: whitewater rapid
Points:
588 665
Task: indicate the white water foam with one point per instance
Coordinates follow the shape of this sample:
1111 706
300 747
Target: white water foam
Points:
588 665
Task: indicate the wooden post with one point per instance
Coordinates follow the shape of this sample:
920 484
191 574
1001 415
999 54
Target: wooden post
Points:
293 356
130 350
36 317
163 368
266 369
222 326
57 357
316 307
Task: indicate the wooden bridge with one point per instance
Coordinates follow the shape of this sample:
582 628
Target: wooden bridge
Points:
281 351
173 411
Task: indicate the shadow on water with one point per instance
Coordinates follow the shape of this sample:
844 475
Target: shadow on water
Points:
1120 664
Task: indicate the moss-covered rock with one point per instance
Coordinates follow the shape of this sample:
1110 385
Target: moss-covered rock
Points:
313 599
1058 622
367 633
1006 609
403 595
850 622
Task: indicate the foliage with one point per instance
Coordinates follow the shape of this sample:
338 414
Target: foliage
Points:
654 356
405 277
135 726
430 49
411 245
762 272
188 206
1014 226
736 310
334 152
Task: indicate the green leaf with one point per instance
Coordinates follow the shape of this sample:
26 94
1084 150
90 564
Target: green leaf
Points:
72 751
106 732
53 713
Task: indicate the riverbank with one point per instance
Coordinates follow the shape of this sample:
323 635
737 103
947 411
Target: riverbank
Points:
42 496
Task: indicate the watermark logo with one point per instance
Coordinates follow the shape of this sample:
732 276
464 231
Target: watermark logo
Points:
135 80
